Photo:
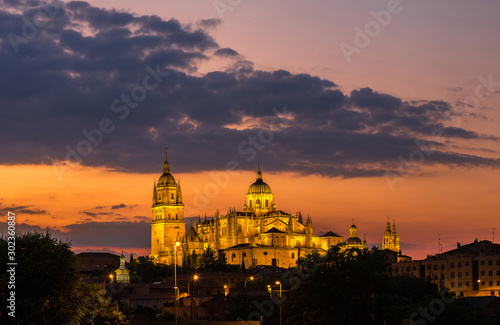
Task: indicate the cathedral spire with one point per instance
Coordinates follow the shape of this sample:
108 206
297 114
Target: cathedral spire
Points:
166 166
154 192
259 174
179 191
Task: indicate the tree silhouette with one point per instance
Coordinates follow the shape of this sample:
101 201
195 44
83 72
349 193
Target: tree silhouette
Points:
47 286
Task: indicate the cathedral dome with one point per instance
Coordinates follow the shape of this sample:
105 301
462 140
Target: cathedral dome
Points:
353 241
166 180
259 187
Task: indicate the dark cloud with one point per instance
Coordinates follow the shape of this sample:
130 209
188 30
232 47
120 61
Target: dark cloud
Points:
105 234
118 206
64 80
21 209
226 52
209 23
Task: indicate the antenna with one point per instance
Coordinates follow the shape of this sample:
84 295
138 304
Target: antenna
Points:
493 235
440 247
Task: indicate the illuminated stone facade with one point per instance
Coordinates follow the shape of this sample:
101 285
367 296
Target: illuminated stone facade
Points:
168 225
259 234
122 274
390 240
469 270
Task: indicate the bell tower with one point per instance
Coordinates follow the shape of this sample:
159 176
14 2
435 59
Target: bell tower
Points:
168 225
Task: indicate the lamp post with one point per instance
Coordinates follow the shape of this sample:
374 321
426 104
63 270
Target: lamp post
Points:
195 278
175 279
249 278
104 282
278 282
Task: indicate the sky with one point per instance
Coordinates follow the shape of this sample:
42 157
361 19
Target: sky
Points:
355 110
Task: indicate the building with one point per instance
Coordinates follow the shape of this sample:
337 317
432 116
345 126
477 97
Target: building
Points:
354 241
259 234
122 273
469 270
390 239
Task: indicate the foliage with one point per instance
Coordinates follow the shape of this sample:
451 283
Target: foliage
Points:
96 308
146 271
47 284
208 260
354 287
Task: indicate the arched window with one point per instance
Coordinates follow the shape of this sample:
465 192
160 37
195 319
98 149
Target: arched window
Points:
240 229
176 216
257 202
293 255
250 203
172 196
169 216
297 244
267 203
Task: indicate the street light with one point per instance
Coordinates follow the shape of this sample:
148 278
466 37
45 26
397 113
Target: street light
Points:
277 282
195 278
175 279
250 278
104 282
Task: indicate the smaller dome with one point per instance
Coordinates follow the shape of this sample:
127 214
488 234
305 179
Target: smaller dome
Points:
353 241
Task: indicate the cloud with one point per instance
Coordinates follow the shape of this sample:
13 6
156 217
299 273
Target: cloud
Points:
22 209
226 52
209 23
95 56
118 206
98 234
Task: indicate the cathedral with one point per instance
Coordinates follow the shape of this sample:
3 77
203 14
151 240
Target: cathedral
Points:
257 235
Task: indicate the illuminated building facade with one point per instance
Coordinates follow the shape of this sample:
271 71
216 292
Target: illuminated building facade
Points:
469 270
257 235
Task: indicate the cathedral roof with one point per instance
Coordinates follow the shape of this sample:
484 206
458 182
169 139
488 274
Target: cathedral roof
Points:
259 187
192 235
330 234
274 230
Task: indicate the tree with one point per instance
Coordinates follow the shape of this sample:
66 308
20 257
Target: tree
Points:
47 286
131 258
144 268
355 287
96 308
357 280
208 259
46 279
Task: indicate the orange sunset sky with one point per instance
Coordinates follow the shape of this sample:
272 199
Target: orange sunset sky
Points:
332 131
